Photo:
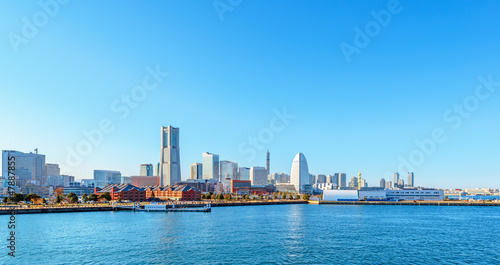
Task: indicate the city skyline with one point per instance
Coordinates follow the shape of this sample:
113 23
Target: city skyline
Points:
297 93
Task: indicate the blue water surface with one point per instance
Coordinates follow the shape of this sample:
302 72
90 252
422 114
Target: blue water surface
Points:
276 234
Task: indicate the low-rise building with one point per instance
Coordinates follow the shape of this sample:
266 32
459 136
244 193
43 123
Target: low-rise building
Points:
124 192
379 194
174 192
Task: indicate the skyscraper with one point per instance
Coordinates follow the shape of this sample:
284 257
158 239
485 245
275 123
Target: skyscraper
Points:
196 171
211 167
299 176
229 169
382 183
322 178
411 179
395 178
30 167
335 179
258 176
312 179
342 180
244 173
170 168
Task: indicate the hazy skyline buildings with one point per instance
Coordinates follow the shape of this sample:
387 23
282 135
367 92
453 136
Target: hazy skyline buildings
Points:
244 173
395 178
411 179
29 167
146 170
170 168
105 177
52 170
342 180
197 171
382 183
229 169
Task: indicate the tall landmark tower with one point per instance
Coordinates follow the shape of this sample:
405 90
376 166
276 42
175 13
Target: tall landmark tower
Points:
268 162
359 180
170 162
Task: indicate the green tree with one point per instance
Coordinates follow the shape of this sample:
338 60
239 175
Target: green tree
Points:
17 197
93 198
283 197
275 197
220 197
85 197
72 197
31 197
261 197
446 197
297 197
106 196
246 197
59 199
306 197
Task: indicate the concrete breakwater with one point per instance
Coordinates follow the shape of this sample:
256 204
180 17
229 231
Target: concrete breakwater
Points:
412 203
63 209
32 210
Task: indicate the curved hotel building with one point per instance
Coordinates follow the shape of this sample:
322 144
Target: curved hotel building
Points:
299 176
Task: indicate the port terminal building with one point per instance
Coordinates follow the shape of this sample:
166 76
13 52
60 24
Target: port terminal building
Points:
383 195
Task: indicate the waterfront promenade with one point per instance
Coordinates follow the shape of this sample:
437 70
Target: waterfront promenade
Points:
64 208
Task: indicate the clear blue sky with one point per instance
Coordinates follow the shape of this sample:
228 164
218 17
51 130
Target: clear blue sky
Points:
226 77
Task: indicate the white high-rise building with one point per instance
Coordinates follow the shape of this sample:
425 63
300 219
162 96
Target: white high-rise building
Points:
211 167
258 176
299 176
30 167
382 183
170 168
